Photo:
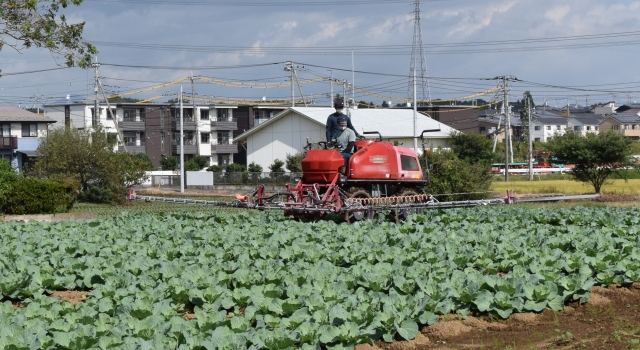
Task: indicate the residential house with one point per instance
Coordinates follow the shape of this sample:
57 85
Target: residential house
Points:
585 123
626 124
545 125
249 116
20 131
289 131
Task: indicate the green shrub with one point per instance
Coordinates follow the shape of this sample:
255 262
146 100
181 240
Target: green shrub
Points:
294 162
104 194
277 166
235 168
254 168
451 175
216 168
37 196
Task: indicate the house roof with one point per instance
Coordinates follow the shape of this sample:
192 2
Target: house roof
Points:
15 114
626 118
391 123
496 119
588 118
543 117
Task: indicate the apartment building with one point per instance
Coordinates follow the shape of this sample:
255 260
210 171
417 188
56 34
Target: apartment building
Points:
154 128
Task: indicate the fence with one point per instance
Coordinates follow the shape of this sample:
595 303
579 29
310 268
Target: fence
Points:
254 178
207 179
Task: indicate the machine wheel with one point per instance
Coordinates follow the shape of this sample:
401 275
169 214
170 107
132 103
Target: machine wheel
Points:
352 217
403 214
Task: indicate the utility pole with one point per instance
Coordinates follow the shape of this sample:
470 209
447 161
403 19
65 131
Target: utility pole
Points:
183 173
353 80
507 131
530 139
96 111
288 66
331 88
415 115
195 119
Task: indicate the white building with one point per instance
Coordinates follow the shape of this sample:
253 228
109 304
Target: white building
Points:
288 132
585 123
546 126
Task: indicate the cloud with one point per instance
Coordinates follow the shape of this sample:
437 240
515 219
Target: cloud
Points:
557 13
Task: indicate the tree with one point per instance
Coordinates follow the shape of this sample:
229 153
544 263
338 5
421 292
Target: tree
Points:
36 23
294 162
277 166
89 157
168 163
473 148
83 154
196 163
451 175
254 168
595 156
235 168
7 176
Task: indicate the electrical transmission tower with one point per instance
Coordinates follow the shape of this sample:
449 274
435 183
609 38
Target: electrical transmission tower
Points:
418 73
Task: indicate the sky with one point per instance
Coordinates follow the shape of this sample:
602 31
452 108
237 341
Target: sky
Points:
570 51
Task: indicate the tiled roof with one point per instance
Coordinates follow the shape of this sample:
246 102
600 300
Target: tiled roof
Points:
626 118
15 114
588 118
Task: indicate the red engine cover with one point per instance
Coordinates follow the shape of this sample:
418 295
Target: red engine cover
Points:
384 161
321 166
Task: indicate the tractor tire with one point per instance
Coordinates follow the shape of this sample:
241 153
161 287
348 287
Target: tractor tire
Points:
356 216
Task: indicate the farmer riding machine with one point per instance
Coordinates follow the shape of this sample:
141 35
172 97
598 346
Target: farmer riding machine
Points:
379 175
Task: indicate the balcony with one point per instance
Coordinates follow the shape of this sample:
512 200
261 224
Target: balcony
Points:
188 124
189 148
225 125
131 124
224 148
10 142
133 147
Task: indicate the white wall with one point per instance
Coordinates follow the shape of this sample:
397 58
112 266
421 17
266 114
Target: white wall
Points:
284 136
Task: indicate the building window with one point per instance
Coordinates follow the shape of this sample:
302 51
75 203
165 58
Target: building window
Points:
634 127
29 129
537 139
223 115
204 114
5 130
109 113
577 128
162 135
483 129
588 128
223 138
204 137
130 139
129 115
548 127
162 117
626 126
559 127
597 128
537 127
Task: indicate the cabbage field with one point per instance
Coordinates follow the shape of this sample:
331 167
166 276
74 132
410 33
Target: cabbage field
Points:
261 281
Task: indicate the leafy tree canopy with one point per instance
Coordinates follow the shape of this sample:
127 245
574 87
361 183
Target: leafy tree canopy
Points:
277 166
168 163
294 162
595 156
473 148
89 157
36 23
254 168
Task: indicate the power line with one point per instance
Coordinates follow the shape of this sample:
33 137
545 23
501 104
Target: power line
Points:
259 3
